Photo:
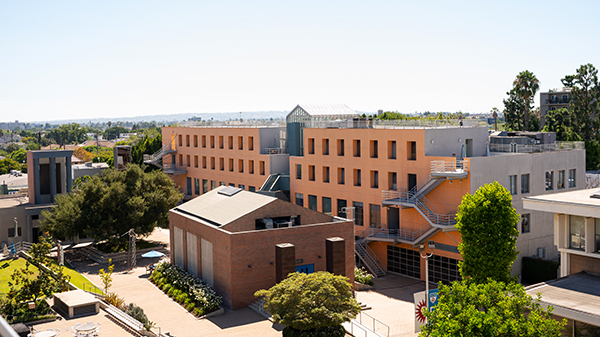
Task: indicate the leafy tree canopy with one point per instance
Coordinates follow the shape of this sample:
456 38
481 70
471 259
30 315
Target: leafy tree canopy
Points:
309 301
67 134
20 156
489 309
7 165
486 222
585 102
107 205
518 110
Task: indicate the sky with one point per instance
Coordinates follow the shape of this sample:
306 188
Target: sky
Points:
84 59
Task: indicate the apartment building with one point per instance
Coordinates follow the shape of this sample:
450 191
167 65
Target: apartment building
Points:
400 181
553 100
576 225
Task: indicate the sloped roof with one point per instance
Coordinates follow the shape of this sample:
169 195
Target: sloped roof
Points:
327 109
219 209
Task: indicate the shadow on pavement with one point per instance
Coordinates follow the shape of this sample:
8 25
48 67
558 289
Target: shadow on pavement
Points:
398 287
239 317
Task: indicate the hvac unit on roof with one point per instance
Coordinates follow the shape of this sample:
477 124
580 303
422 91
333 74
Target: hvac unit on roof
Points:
281 224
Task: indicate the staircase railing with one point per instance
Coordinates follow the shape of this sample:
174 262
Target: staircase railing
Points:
373 255
368 259
156 156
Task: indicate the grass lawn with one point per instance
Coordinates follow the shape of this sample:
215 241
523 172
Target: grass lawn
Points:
7 267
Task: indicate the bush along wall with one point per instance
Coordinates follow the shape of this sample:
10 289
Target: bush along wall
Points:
193 294
535 270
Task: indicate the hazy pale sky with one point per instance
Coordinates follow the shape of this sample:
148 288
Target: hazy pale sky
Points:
87 59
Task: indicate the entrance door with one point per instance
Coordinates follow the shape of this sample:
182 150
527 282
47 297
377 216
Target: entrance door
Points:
412 181
393 218
306 268
36 235
469 148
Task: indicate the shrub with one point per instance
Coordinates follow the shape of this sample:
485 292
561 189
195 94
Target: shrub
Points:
190 307
114 299
535 270
198 312
138 313
328 331
362 276
166 288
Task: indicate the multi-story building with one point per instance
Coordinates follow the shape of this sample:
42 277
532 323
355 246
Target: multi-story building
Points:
553 100
401 181
576 225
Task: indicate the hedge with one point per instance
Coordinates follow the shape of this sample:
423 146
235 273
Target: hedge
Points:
536 270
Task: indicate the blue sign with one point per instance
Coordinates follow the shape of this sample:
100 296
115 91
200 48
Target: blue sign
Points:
432 298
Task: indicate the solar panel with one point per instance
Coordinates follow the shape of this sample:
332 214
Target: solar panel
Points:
229 191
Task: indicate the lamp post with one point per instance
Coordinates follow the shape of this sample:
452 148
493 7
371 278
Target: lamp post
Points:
426 256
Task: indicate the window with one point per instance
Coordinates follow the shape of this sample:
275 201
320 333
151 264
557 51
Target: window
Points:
230 142
312 202
242 186
549 180
512 184
325 147
572 178
187 140
204 185
212 163
251 188
374 149
187 160
212 142
577 232
356 147
230 164
11 232
298 171
311 146
443 269
325 174
597 235
222 183
261 168
213 184
327 205
299 199
525 223
240 143
374 179
404 261
181 159
357 179
411 149
196 161
250 143
311 172
525 183
180 140
241 165
222 164
203 141
221 145
392 181
392 149
560 184
358 213
232 184
195 140
197 186
341 208
251 166
341 173
203 162
340 147
374 215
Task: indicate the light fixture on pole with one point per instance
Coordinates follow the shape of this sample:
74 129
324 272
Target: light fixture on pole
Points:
426 256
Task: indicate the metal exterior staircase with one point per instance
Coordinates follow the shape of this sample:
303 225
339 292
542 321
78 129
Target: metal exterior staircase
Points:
370 259
156 159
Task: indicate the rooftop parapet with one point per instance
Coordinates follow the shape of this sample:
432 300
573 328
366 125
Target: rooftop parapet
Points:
523 148
365 123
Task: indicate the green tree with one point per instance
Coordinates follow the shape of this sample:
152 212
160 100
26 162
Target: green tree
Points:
526 86
108 205
518 112
20 156
67 134
559 121
316 302
147 145
113 132
7 165
486 221
585 102
489 309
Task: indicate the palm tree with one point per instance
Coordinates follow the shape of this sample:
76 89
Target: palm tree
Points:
526 85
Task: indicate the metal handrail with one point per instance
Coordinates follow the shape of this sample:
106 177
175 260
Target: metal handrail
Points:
375 257
374 320
449 166
539 148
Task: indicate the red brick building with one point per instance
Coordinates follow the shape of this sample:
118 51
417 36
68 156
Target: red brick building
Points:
240 242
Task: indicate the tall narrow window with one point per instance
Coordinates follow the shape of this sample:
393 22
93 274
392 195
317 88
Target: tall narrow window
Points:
512 184
341 208
298 171
374 179
356 147
251 166
374 149
325 174
412 150
357 178
577 232
261 168
299 199
204 185
392 149
327 205
230 142
222 164
230 164
203 162
196 161
560 184
187 140
325 147
341 173
221 145
572 178
524 183
213 184
340 147
311 172
212 163
597 236
311 146
195 140
180 140
212 142
203 141
392 181
240 143
525 223
241 165
312 202
549 180
197 186
374 215
358 213
250 143
187 160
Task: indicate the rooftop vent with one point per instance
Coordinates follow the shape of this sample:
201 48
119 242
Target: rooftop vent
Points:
229 191
595 195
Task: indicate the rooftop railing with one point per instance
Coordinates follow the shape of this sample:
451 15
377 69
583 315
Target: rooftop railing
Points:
398 124
520 148
230 124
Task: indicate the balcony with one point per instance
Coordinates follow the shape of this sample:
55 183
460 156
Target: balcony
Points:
539 148
174 169
566 100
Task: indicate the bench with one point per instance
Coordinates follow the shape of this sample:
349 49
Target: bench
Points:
125 319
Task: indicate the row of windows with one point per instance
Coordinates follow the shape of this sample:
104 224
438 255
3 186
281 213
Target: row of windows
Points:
411 148
577 233
221 164
343 209
341 176
213 184
221 142
549 182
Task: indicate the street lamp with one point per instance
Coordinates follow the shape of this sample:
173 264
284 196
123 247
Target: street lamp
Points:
421 247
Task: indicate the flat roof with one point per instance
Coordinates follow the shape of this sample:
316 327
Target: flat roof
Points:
575 296
577 202
220 209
